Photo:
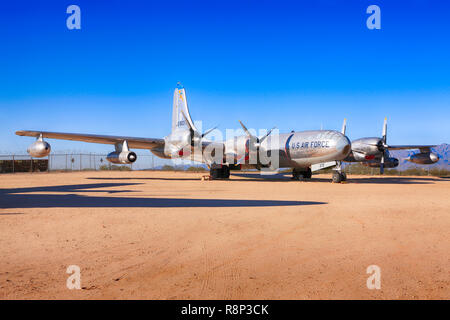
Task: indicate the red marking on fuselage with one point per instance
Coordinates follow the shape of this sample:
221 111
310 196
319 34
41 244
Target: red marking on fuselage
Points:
181 153
370 157
247 156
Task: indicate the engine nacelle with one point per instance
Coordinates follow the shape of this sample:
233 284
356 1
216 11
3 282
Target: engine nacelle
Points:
424 158
388 163
39 149
179 139
124 157
368 146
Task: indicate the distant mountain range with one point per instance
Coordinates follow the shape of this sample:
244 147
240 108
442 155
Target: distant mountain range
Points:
442 150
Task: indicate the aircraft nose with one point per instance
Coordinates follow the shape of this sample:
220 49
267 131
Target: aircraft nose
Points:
343 146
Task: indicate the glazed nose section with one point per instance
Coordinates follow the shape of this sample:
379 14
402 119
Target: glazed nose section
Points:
343 146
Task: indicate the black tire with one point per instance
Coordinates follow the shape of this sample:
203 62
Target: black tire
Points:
295 175
308 174
225 172
215 173
343 176
337 178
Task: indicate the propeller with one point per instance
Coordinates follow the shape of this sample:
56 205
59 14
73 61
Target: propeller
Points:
194 132
382 146
256 141
208 131
344 128
252 137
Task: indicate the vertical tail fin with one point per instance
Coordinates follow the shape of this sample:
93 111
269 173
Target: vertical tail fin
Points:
179 107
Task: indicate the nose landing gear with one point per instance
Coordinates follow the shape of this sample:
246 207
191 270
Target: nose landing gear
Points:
338 175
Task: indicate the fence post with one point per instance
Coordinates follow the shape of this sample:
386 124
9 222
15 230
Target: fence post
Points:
48 163
13 163
80 161
31 164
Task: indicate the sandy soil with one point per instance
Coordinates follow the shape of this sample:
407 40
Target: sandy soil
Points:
163 235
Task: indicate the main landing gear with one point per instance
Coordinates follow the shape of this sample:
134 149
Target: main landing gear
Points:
222 172
305 174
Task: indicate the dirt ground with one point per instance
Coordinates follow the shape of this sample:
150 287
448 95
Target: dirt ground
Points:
168 235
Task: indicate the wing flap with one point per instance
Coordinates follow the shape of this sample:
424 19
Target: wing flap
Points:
133 142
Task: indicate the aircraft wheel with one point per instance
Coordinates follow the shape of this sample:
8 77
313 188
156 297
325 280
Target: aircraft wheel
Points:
295 175
337 178
343 176
225 172
307 174
215 173
220 173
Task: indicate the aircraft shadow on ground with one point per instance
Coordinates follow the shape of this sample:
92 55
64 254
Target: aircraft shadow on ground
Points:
394 180
374 180
248 177
145 178
21 198
10 213
287 177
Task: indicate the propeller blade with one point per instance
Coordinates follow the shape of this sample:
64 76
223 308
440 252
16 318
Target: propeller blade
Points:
384 131
191 125
209 131
344 126
245 129
266 135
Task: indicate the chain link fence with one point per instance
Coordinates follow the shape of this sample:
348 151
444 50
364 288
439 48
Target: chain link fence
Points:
78 162
93 161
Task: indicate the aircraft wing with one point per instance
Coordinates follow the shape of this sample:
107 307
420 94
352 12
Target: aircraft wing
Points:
422 148
133 142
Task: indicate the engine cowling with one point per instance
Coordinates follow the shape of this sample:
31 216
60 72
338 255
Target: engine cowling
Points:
367 147
424 158
124 157
39 149
388 163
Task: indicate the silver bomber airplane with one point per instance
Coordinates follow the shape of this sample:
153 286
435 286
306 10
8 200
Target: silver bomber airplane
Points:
296 150
374 152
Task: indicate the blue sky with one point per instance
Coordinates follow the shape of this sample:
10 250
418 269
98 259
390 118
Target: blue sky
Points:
294 64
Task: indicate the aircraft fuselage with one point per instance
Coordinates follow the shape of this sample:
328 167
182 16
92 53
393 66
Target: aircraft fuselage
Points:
295 149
